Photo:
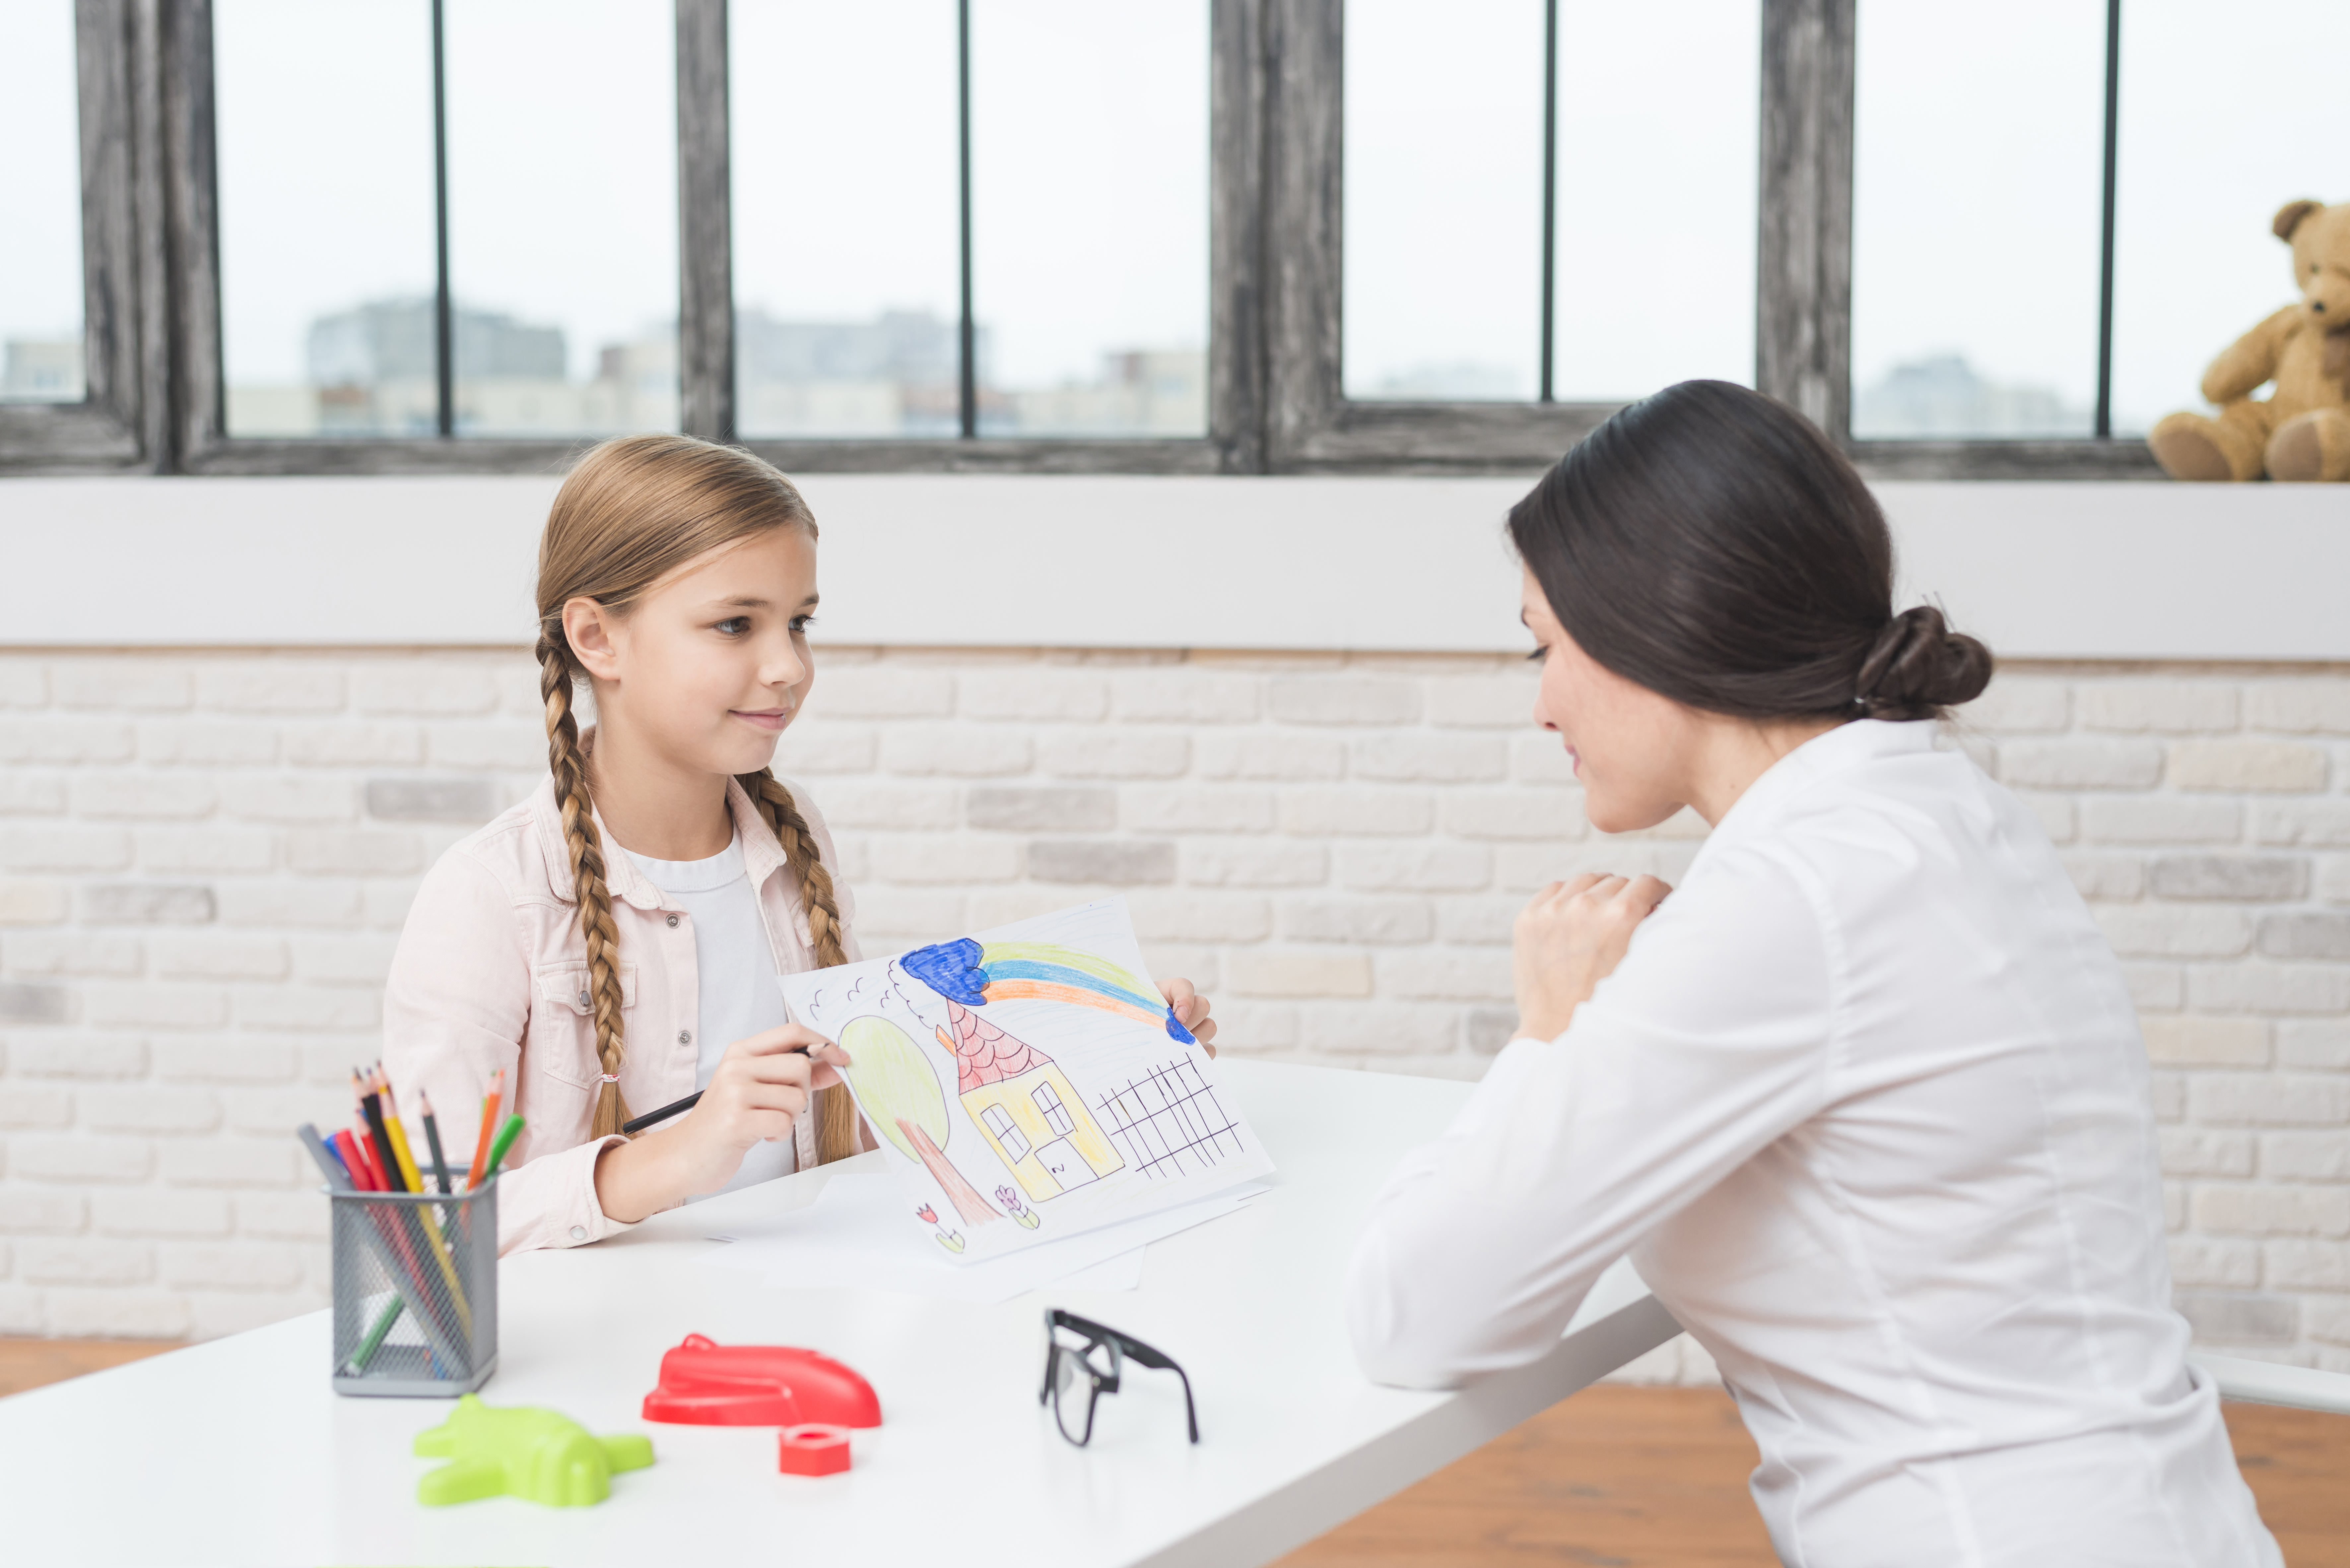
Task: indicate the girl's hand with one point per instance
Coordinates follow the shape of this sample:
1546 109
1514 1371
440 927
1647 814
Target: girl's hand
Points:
761 1087
1569 939
1190 1011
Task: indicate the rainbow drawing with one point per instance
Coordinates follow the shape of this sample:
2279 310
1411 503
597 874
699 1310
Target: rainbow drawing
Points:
970 974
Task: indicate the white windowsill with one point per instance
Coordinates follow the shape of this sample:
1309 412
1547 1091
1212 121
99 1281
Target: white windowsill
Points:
2041 571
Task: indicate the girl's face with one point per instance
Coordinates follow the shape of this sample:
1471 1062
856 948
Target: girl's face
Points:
1627 743
712 662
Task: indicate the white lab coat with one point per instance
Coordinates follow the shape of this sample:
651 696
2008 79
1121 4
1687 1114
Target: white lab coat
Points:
1867 1103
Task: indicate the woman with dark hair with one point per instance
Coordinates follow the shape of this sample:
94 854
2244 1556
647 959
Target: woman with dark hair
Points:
1864 1099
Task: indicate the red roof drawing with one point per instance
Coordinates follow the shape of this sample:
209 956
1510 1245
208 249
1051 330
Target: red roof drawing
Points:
984 1053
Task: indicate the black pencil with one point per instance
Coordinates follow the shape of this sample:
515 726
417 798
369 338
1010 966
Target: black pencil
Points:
371 1111
636 1125
432 1140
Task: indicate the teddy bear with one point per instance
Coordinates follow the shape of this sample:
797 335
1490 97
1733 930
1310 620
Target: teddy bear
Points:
2301 432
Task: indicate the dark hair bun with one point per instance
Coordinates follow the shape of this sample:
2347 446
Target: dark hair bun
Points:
1919 665
1712 546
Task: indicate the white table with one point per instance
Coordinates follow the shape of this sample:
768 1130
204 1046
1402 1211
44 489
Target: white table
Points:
236 1451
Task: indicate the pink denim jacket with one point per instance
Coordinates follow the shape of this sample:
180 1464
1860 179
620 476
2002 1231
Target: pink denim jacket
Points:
492 972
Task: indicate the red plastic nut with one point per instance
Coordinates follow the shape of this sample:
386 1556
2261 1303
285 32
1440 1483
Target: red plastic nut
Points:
811 1449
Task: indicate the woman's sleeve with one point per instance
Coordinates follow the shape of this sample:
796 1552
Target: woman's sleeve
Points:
456 1008
1707 1044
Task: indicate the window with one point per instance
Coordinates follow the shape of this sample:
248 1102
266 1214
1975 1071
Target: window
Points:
1548 201
40 194
1056 1114
1032 172
499 183
326 218
1007 1136
2030 294
847 280
1163 236
2222 121
1958 329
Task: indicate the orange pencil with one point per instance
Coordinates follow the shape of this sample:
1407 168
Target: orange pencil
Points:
489 1128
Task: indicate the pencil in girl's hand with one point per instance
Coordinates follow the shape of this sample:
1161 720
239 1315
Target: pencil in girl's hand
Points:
489 1128
506 1135
433 1139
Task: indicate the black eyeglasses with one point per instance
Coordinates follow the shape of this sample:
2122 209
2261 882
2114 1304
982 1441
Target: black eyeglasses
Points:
1082 1363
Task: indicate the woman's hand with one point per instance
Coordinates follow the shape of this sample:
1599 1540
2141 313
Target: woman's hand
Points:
1192 1012
761 1087
1569 939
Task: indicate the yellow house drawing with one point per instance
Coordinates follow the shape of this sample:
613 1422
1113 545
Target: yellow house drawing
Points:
1026 1108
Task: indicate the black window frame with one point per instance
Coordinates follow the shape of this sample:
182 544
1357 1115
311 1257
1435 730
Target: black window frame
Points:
156 397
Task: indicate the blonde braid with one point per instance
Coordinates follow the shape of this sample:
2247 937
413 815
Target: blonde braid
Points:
835 1114
603 938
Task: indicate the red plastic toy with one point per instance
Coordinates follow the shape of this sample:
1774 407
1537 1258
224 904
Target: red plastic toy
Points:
815 1449
705 1384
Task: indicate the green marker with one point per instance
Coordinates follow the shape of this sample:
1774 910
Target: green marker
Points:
498 1146
374 1340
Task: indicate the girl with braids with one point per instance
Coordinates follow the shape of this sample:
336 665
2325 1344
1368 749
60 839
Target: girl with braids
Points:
1864 1100
611 942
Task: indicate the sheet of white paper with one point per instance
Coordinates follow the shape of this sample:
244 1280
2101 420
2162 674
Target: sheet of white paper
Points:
1123 1272
853 1236
1029 1084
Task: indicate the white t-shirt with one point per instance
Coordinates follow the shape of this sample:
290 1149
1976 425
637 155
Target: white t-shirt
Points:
735 968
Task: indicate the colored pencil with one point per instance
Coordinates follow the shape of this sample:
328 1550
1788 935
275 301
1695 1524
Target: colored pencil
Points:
355 1159
407 1284
489 1128
432 1140
400 1149
426 1222
330 1166
417 1230
506 1135
380 1137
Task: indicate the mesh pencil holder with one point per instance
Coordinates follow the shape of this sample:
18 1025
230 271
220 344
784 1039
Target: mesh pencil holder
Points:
416 1292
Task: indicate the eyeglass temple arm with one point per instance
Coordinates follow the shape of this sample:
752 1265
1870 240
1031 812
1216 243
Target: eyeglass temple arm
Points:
1163 1362
1190 1416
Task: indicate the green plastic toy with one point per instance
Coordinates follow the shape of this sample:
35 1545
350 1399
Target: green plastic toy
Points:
538 1454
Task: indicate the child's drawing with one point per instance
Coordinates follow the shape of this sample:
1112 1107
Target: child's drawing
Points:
1172 1122
899 1092
974 973
1026 1108
1071 1076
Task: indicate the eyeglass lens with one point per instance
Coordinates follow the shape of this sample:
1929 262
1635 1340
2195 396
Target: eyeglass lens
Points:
1073 1395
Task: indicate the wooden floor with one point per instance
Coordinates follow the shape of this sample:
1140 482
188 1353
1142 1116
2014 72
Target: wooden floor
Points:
1656 1478
1615 1478
30 1363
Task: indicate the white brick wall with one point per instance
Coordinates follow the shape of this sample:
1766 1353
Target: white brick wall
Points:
205 859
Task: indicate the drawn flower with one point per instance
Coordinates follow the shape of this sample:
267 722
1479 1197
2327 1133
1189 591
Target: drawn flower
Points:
1010 1198
928 1215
